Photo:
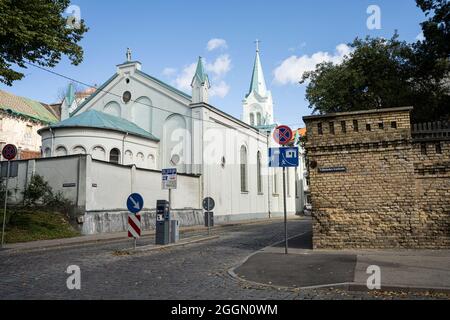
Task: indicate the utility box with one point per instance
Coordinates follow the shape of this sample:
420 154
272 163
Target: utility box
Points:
162 236
174 231
209 219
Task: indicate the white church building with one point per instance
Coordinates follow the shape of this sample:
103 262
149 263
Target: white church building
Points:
118 139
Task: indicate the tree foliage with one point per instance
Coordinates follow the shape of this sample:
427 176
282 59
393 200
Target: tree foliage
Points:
382 73
36 31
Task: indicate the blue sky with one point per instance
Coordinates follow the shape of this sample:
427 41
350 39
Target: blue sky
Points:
168 36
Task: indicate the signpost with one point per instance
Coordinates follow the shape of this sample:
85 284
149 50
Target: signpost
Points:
208 205
284 157
9 152
135 203
169 181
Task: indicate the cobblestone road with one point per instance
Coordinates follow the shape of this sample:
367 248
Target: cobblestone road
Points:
196 271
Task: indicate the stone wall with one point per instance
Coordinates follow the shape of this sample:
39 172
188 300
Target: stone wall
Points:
365 185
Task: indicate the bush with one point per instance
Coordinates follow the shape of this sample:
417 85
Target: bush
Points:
39 191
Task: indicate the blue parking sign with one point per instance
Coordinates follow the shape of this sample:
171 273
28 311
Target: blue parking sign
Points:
283 157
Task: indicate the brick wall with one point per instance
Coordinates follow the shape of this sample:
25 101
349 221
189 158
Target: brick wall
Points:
365 185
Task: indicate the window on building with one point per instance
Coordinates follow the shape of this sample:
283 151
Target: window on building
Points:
381 125
244 184
438 148
368 127
332 127
423 148
28 133
258 119
343 127
258 172
252 119
114 156
394 124
355 125
319 128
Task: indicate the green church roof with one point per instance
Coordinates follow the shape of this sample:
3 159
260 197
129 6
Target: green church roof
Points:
258 83
100 120
200 73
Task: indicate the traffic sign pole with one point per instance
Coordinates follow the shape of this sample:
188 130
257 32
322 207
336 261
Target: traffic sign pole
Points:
6 201
285 213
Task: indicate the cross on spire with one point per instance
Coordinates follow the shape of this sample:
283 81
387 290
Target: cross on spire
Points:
257 45
128 54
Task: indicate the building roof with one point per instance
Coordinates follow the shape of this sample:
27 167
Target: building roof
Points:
26 107
258 83
100 120
355 113
200 73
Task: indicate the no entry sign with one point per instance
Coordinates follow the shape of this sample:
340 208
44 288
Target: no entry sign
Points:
9 152
282 135
134 226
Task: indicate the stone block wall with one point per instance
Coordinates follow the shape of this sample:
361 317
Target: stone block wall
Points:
365 188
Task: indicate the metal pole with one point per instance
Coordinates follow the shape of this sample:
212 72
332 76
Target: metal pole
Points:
6 201
285 212
170 198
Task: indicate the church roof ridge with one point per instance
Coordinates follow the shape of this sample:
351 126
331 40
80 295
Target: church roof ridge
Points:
101 120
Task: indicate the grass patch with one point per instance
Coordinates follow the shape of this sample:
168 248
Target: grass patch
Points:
36 224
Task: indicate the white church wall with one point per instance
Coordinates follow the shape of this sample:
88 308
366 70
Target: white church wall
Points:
99 143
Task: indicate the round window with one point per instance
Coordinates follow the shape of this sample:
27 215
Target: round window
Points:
175 159
126 96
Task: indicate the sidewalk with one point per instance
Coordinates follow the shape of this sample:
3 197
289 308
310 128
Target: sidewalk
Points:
306 268
117 236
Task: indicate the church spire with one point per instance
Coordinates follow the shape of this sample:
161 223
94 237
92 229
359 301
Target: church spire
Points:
200 84
258 83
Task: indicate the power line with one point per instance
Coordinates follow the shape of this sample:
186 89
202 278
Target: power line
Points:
135 101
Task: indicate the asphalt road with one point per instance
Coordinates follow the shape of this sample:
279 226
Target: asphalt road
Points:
196 271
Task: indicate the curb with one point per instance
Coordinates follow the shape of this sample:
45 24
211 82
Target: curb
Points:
21 247
152 247
350 286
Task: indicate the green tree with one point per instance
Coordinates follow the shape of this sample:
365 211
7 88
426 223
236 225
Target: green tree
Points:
36 31
381 73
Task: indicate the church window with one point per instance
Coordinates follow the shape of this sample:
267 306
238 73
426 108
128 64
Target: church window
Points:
252 119
61 151
258 119
128 159
126 97
47 153
98 153
79 150
259 174
175 160
114 156
244 184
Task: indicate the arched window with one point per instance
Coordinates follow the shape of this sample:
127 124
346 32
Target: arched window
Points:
252 119
128 159
98 153
140 160
258 172
112 108
258 119
47 153
61 151
244 184
114 155
79 150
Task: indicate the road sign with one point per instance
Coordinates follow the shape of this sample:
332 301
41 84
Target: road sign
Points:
169 179
208 204
282 135
9 152
135 203
283 157
134 226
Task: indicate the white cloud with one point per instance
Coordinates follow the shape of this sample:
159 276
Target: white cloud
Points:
220 66
216 44
217 69
168 72
290 71
219 90
184 79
